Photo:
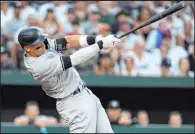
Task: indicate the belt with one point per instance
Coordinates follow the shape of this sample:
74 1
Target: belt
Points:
78 90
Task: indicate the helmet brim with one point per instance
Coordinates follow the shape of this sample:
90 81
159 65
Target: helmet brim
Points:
41 39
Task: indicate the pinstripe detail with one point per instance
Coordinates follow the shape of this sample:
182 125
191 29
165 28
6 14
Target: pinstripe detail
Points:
62 62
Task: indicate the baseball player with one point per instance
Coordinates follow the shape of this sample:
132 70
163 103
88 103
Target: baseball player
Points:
77 105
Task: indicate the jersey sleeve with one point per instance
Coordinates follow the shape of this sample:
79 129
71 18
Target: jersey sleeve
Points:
52 64
58 44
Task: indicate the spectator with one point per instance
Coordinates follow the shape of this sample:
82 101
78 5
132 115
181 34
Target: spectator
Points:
145 63
114 7
10 29
6 13
189 39
129 67
69 18
113 111
156 36
133 9
51 25
105 65
125 118
191 60
122 16
104 30
142 118
31 117
81 8
180 51
165 68
6 62
115 61
184 69
175 119
144 15
92 24
106 17
76 28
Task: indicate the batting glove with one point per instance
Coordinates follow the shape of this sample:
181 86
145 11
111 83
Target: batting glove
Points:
110 40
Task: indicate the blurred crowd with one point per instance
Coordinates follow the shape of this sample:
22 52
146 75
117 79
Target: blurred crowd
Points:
116 115
163 49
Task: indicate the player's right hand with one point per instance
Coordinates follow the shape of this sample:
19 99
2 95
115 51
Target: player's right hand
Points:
110 41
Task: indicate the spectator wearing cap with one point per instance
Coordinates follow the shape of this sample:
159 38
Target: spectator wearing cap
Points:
165 68
142 118
113 111
125 118
51 26
6 62
175 119
32 116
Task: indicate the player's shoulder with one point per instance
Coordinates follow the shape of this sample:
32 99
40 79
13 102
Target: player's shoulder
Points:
40 63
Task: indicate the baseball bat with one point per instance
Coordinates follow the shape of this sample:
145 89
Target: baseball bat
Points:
157 17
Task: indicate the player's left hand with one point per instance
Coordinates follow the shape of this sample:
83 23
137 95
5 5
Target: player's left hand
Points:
110 41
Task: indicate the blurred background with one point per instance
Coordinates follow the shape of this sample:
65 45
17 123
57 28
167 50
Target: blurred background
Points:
146 81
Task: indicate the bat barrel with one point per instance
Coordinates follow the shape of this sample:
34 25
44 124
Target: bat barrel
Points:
157 17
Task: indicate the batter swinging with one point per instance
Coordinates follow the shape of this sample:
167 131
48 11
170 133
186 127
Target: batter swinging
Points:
80 108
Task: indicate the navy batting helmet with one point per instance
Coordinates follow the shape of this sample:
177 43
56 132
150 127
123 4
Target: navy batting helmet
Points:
30 36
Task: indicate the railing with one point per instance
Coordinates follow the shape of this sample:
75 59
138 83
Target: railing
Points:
10 128
24 78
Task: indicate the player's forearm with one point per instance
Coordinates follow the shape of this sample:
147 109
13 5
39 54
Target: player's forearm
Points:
77 41
84 54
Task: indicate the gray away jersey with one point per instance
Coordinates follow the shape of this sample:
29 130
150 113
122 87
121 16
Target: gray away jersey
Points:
49 71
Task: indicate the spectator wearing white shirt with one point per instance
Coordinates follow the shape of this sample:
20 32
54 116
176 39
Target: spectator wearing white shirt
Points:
6 13
145 63
11 28
129 65
176 53
27 10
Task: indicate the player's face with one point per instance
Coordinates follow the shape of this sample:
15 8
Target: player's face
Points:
36 50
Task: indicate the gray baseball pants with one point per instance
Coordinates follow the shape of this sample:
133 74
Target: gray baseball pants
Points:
84 113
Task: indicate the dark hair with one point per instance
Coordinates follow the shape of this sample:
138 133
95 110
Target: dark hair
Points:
174 113
76 22
140 11
122 12
30 103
